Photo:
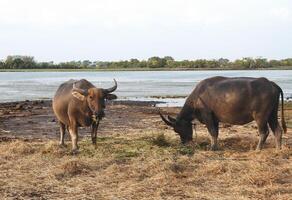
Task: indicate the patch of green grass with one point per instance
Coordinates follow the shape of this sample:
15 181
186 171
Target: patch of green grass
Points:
288 104
289 124
103 139
160 141
126 154
186 150
124 148
202 145
113 146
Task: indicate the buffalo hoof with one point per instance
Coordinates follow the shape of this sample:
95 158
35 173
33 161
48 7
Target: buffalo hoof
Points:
259 148
214 148
278 147
95 146
74 152
62 146
94 142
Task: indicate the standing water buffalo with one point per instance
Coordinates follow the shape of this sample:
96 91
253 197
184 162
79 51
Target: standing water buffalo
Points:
234 101
80 103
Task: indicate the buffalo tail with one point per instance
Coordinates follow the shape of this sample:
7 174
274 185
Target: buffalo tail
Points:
282 108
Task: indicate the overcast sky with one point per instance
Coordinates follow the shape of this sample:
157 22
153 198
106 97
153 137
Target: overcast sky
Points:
63 30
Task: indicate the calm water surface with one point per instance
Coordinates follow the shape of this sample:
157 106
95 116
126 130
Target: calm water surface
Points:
138 85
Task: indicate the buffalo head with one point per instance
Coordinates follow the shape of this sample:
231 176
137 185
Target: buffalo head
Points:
182 127
95 98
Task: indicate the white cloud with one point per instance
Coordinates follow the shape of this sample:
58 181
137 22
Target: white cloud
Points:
113 13
121 29
281 13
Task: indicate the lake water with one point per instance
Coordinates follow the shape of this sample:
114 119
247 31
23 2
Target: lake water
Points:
137 85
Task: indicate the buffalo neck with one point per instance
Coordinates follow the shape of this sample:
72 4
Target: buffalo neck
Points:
86 108
186 112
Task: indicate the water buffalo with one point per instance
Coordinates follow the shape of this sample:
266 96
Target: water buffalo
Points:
79 103
235 101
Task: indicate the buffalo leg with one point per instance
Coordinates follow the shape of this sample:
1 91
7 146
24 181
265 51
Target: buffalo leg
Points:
264 132
94 128
62 134
213 128
73 130
274 125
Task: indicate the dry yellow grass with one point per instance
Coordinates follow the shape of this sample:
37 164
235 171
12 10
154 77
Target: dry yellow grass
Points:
288 113
145 165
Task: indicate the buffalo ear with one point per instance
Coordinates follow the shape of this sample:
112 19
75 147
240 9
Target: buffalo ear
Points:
78 95
110 96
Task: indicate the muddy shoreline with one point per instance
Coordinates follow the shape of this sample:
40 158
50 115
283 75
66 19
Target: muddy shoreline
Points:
35 120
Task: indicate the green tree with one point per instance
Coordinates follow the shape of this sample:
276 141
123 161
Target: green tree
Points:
286 62
2 65
169 61
261 63
244 63
134 63
18 62
200 63
223 62
275 63
86 64
156 62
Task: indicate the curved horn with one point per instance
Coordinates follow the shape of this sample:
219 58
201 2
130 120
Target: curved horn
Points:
79 90
171 119
110 90
169 123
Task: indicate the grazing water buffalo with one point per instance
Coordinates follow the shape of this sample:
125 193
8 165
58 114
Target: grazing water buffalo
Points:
234 101
79 103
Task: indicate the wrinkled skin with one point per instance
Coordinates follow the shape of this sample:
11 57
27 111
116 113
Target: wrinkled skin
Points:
235 101
79 103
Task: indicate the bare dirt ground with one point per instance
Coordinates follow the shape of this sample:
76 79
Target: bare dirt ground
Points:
136 157
35 119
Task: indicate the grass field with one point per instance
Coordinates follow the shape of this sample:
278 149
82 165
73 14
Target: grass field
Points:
138 157
288 113
144 165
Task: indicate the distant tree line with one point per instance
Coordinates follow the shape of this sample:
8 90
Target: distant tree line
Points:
28 62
